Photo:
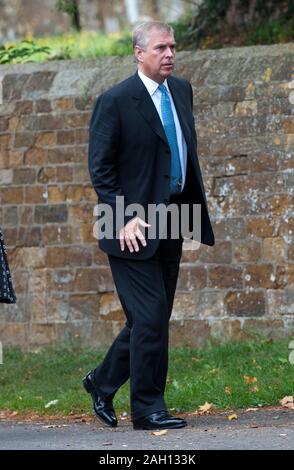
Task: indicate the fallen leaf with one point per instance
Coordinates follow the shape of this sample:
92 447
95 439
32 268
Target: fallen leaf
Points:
197 359
252 409
51 403
249 380
233 416
288 402
206 408
55 426
228 390
159 433
254 389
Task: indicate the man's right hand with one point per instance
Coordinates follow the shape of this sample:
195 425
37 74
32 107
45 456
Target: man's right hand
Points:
130 232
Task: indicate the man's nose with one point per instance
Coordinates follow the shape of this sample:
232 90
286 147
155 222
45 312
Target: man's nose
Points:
169 52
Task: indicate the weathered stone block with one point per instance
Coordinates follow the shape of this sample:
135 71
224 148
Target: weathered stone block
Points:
224 276
245 303
210 304
274 249
46 175
110 307
285 275
14 334
51 214
11 195
185 305
220 253
41 335
66 137
227 330
46 139
35 195
265 328
57 308
26 215
38 82
6 177
28 257
192 278
62 280
36 156
246 250
24 139
64 174
189 333
56 235
24 176
43 106
260 275
83 307
62 154
261 226
97 280
15 158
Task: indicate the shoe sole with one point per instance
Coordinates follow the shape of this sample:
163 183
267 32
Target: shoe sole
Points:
137 427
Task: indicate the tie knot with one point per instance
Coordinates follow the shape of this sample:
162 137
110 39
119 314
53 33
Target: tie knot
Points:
162 88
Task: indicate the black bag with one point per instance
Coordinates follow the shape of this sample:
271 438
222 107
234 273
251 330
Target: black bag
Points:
7 294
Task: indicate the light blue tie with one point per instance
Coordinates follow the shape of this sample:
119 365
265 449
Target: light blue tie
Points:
171 135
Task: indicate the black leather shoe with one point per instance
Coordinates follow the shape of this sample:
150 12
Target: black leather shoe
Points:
102 407
159 420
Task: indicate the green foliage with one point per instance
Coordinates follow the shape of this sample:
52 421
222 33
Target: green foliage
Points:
70 7
67 6
21 52
236 22
270 33
84 45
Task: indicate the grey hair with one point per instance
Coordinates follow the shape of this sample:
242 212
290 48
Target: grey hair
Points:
141 33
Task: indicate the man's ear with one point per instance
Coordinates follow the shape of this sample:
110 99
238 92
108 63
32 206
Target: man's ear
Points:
139 54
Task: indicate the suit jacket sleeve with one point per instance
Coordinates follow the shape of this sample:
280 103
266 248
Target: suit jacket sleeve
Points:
103 155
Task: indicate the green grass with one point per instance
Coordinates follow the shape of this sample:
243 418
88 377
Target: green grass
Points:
30 380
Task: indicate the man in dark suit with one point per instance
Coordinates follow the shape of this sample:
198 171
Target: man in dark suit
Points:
143 149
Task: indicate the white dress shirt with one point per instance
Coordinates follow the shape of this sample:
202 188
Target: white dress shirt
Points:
155 94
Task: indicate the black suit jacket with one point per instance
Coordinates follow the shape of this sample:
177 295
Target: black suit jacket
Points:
129 156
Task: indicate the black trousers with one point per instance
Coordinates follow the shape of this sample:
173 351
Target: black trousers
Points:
146 290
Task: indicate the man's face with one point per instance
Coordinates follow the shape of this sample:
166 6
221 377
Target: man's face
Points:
158 58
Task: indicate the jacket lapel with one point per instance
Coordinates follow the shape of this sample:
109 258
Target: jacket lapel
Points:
146 107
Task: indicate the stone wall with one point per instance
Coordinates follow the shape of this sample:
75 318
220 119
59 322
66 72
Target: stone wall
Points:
241 287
